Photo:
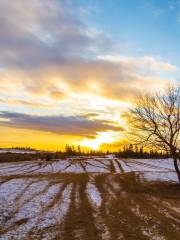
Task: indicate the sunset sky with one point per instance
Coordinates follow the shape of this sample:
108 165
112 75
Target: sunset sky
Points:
70 68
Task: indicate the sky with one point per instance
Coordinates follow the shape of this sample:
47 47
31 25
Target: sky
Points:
69 69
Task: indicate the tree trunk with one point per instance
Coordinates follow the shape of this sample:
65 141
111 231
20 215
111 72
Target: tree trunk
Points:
176 167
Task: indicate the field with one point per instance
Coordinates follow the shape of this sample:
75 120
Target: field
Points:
89 198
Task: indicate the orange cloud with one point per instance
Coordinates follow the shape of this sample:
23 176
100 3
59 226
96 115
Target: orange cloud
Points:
25 103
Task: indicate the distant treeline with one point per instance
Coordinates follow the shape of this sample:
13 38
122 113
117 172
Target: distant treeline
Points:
69 151
130 151
24 148
19 149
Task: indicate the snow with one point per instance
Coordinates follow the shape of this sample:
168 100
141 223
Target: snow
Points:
161 176
34 196
11 150
151 168
94 194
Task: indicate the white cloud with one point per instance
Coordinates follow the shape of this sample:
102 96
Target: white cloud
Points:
49 54
146 62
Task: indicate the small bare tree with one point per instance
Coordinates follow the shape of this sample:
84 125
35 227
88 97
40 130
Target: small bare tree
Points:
155 121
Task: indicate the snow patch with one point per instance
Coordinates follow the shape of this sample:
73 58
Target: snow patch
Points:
93 194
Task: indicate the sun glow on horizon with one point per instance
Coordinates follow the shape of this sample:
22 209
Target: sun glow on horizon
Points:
71 80
102 137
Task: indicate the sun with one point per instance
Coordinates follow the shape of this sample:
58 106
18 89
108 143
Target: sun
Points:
93 144
102 137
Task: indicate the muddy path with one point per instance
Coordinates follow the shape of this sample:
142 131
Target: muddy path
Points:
39 201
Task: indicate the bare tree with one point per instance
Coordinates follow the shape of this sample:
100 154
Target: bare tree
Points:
155 121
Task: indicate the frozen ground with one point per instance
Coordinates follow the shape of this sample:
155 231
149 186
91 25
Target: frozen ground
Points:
92 198
11 150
